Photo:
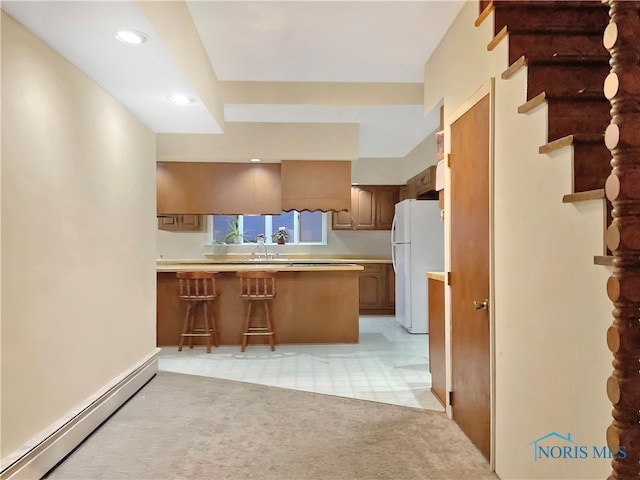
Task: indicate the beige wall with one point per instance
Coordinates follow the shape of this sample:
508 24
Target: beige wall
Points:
78 240
550 308
396 171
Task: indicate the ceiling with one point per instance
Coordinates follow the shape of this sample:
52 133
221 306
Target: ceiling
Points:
276 80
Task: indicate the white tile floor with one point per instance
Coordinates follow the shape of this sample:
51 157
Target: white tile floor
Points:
389 365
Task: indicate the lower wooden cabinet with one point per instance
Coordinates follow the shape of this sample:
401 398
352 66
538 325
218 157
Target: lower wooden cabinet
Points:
436 339
377 289
180 223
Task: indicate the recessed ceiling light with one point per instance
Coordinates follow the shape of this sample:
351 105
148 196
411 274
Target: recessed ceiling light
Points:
256 159
180 99
131 36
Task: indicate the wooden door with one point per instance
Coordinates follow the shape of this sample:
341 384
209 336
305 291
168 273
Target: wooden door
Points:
470 353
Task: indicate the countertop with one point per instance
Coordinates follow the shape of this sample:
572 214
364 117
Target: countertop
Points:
283 259
436 276
257 265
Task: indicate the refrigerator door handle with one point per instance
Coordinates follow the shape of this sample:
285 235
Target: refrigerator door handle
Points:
393 258
393 230
393 247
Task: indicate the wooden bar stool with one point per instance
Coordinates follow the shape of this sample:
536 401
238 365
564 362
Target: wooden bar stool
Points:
198 288
257 287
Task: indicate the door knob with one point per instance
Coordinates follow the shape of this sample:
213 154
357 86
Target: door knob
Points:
481 305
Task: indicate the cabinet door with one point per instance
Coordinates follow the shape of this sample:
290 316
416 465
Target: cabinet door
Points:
364 210
386 199
371 287
390 286
168 222
189 222
180 223
341 220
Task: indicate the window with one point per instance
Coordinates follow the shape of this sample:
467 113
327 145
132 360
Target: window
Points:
303 227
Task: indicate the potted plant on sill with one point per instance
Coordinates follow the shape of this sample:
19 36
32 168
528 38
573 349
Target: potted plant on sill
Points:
234 234
280 236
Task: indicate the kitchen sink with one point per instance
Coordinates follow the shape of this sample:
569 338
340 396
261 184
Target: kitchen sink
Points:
268 258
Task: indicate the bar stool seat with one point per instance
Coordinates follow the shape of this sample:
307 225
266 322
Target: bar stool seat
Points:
198 289
257 286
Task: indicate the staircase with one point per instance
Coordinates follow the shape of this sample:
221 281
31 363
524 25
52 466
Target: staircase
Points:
560 43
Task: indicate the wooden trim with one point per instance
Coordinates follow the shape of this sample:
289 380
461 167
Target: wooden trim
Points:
487 88
556 145
584 196
532 104
484 14
52 448
514 67
605 260
501 35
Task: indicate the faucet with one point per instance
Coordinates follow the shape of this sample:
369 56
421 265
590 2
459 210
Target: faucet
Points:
264 247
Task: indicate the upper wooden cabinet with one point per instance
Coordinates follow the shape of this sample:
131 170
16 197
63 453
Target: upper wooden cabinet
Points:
181 223
316 185
218 188
372 208
422 185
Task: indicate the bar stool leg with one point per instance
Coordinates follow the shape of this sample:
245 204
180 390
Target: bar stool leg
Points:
272 340
193 310
211 319
207 325
245 334
185 326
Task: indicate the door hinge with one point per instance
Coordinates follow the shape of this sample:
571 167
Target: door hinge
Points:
448 274
449 160
450 399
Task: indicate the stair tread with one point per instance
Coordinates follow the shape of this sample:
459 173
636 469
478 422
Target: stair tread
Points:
582 98
557 29
552 4
558 61
606 260
597 194
571 140
561 59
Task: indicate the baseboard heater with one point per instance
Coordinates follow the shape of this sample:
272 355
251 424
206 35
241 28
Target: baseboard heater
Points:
45 454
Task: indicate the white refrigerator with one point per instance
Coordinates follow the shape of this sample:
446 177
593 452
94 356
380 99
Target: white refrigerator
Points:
417 247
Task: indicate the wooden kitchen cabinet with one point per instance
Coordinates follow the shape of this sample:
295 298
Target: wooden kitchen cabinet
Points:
372 208
436 337
180 223
371 287
422 186
390 287
377 289
315 185
217 188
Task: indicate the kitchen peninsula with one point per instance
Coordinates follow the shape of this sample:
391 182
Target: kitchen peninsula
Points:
316 302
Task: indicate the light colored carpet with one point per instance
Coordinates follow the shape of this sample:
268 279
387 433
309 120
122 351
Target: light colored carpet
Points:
190 427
